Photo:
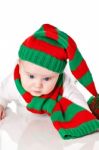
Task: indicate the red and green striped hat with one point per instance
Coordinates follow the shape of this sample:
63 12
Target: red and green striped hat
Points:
50 47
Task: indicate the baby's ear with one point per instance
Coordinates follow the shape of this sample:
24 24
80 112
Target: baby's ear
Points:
19 61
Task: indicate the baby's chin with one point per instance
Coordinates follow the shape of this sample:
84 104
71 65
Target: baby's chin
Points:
36 94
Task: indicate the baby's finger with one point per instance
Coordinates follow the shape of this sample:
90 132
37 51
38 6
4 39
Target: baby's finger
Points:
0 115
3 114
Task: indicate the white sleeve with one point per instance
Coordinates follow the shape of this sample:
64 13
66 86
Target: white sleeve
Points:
9 92
72 93
4 91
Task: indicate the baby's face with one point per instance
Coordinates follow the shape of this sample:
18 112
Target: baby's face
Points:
35 79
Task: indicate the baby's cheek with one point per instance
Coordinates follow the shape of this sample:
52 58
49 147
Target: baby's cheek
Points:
49 87
25 84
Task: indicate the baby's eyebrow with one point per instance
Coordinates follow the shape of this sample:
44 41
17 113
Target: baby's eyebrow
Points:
49 75
41 75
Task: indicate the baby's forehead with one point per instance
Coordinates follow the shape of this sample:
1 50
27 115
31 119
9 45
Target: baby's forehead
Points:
36 69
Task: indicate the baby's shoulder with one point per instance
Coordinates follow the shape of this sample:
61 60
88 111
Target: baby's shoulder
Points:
8 80
68 79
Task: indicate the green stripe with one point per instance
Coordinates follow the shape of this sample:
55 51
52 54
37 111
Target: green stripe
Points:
86 79
43 104
20 88
70 112
57 116
60 80
39 32
62 38
42 59
82 130
90 100
49 105
59 98
75 62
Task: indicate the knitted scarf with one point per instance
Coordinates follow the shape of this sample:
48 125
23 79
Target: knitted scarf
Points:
69 119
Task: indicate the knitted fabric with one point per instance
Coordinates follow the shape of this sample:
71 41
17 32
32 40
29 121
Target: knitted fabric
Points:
69 119
50 47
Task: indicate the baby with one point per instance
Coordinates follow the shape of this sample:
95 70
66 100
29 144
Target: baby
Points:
40 84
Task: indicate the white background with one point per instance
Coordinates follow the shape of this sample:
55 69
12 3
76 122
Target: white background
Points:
20 18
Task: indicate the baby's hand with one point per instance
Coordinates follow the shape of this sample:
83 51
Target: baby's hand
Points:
2 112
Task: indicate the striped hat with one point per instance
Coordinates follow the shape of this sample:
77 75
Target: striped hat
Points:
50 47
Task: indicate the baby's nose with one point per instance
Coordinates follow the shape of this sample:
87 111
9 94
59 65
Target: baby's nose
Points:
38 84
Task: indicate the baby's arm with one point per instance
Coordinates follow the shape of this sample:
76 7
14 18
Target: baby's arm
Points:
73 94
4 96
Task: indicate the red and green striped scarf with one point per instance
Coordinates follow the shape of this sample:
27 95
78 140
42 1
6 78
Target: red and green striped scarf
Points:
69 119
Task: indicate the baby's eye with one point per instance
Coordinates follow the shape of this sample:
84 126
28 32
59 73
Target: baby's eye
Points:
31 76
47 78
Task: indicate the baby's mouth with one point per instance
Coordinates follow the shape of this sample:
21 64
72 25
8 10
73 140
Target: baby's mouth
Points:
37 91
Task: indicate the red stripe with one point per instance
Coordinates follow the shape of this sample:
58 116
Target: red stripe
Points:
50 31
80 70
62 105
71 49
16 73
91 88
78 119
46 47
27 96
61 90
56 92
